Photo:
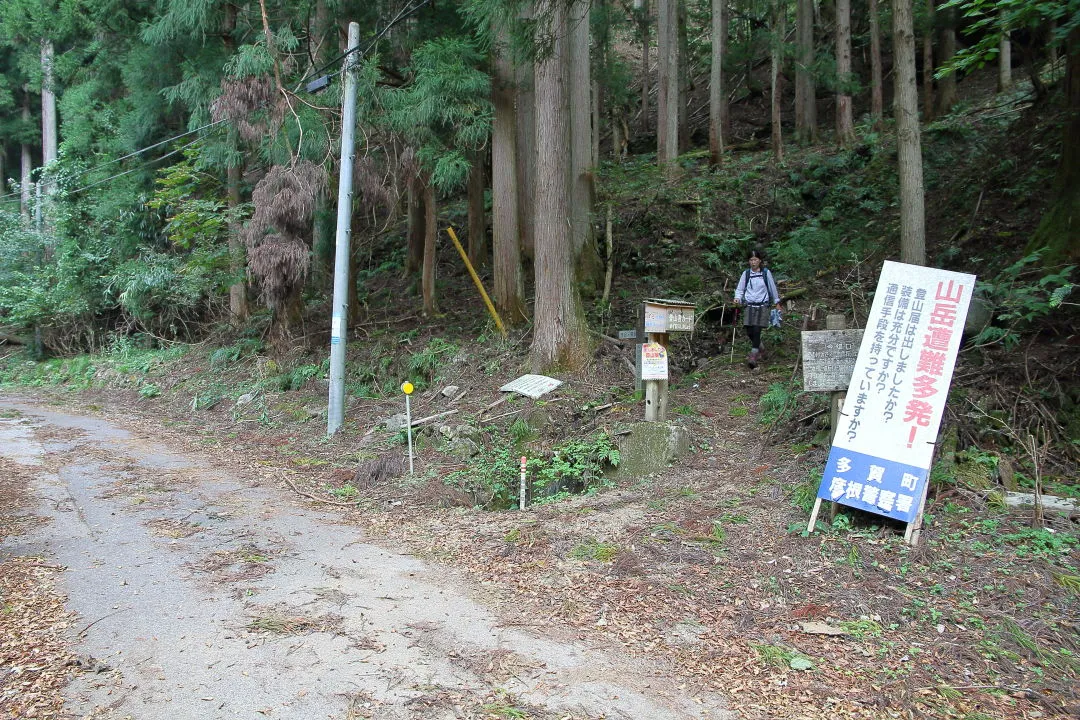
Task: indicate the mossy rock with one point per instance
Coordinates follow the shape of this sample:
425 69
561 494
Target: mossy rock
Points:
650 447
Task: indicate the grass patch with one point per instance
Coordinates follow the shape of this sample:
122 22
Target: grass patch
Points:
595 550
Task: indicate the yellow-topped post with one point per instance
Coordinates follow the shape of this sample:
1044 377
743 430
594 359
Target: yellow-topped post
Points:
407 388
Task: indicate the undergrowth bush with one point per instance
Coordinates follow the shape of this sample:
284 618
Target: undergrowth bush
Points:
1023 294
779 402
577 466
425 364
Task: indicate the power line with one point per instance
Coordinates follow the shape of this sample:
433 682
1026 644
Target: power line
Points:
113 177
130 155
404 13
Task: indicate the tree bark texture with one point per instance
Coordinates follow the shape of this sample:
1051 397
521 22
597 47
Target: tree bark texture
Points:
1004 57
477 218
48 106
238 306
559 334
877 102
526 157
947 85
928 63
1060 226
682 65
594 136
776 46
667 110
805 92
26 165
579 85
509 282
643 27
238 301
431 234
845 124
908 140
717 93
414 257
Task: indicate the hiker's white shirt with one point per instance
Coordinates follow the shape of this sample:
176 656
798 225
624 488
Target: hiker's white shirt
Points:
757 288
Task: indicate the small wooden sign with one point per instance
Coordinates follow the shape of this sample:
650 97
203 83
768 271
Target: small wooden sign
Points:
829 359
667 316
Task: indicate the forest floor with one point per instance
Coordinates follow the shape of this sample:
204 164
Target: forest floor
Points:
704 567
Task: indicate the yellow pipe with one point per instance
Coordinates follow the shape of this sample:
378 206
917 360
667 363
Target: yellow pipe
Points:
476 279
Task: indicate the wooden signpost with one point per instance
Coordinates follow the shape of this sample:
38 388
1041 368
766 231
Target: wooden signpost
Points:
659 318
828 361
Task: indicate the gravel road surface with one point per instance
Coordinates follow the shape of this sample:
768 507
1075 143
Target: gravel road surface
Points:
206 595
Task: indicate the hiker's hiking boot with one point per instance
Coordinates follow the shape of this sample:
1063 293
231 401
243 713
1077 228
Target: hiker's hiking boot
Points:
753 359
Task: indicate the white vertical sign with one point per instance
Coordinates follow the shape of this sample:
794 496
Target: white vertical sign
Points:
884 445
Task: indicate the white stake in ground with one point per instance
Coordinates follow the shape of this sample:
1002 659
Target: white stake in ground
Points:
521 494
407 388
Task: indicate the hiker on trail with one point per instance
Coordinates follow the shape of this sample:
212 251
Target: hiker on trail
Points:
756 291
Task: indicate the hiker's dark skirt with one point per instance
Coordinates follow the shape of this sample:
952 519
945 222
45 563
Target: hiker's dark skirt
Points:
756 315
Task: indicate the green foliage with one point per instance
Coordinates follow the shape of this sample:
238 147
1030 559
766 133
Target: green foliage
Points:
162 292
1041 543
834 195
425 364
778 656
1023 294
149 390
493 477
593 549
297 377
225 356
77 373
579 463
521 431
778 403
804 494
445 111
986 21
345 492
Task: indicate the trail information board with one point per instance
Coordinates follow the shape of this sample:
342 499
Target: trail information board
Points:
829 359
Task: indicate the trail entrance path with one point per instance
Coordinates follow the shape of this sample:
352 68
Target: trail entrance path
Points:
204 595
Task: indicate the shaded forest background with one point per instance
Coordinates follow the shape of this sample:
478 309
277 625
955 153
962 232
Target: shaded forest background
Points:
172 167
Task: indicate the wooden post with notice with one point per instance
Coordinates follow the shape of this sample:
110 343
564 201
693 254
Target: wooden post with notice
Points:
828 360
659 318
656 390
836 399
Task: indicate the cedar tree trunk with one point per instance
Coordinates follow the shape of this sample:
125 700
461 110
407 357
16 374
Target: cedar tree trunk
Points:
559 332
908 140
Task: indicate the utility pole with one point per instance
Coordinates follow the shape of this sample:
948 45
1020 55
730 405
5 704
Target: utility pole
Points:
339 320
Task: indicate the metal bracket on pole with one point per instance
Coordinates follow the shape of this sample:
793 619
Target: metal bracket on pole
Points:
339 319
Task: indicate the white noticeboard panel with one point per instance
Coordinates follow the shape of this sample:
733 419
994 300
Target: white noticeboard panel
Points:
884 445
532 385
653 362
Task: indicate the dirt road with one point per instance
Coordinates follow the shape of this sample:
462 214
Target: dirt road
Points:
204 595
